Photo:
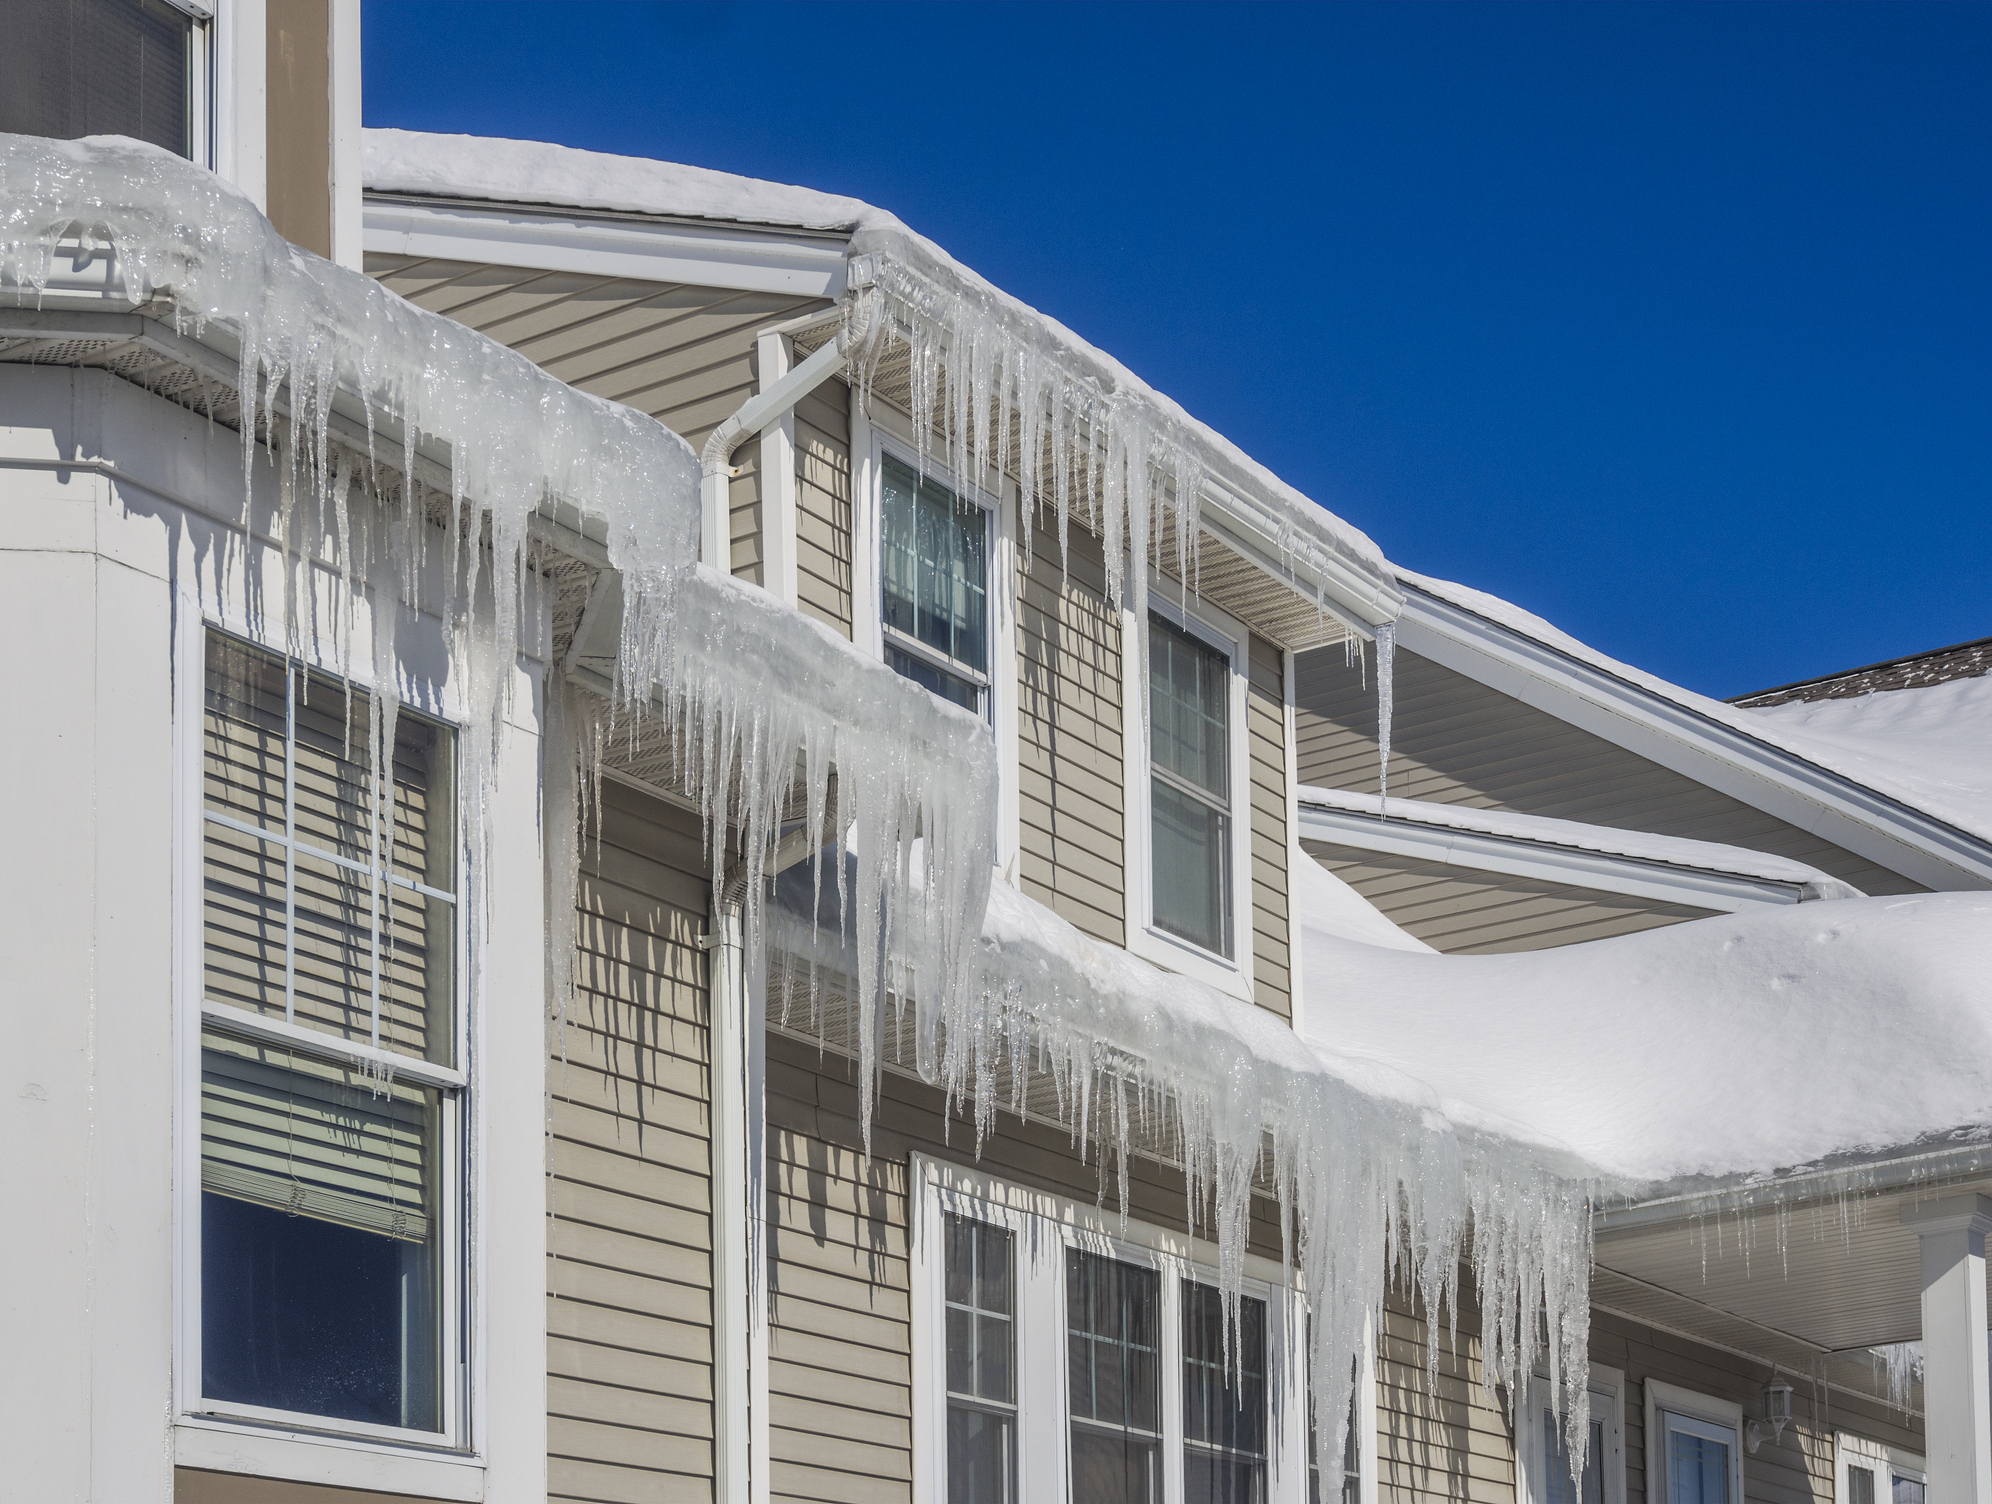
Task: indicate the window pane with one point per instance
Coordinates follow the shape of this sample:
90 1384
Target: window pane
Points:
1112 1315
97 68
1697 1470
1224 1398
1189 708
950 687
1192 855
981 1360
1556 1464
934 573
1908 1490
981 1456
1860 1485
321 1237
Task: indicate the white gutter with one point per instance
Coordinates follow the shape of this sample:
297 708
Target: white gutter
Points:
756 413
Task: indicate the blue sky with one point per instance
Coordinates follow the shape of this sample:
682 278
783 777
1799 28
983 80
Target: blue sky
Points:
1671 323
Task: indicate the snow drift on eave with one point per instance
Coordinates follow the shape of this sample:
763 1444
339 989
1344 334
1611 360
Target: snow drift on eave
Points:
1923 747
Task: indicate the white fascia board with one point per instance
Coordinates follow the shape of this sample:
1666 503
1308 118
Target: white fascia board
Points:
1600 871
703 256
1361 599
1801 793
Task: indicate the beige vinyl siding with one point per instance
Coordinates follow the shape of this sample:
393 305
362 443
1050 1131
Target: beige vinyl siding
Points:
1460 911
823 505
629 1284
1456 741
1265 716
1444 1441
840 1373
683 354
1069 737
1798 1469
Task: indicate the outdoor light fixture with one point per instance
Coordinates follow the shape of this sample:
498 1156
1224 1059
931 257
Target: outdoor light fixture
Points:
1777 1405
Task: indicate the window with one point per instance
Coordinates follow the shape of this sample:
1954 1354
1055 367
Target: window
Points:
1869 1472
1693 1453
934 585
1358 1461
1190 787
1061 1353
101 67
1224 1399
981 1364
329 1097
1545 1457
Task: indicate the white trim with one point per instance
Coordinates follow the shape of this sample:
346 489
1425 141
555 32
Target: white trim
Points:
343 55
1690 1412
1296 967
1003 650
1405 835
1607 1395
241 132
571 241
779 509
1232 975
1765 777
1044 1226
1888 1463
335 1461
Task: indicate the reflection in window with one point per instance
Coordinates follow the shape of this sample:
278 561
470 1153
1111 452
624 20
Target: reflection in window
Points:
99 68
1908 1490
1113 1331
1860 1485
1697 1469
934 587
982 1364
1224 1399
1190 786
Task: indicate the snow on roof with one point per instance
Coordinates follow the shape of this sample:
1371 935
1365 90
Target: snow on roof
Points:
1738 1044
1674 851
1928 754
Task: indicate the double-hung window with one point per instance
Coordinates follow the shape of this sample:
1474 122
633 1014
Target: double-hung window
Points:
1190 793
1869 1472
934 585
330 1097
1224 1399
106 67
981 1363
1113 1319
1693 1447
1547 1474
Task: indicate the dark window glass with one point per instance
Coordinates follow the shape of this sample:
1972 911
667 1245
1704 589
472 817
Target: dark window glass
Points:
1113 1378
1224 1399
1860 1485
1556 1464
934 581
1908 1490
99 68
982 1363
1189 786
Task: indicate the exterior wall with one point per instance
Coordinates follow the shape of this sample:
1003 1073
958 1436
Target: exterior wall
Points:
684 355
1069 733
1455 741
1458 910
1443 1442
823 581
1265 711
629 1244
840 1385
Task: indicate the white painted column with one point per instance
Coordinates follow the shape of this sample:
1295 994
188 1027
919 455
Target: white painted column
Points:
1957 1396
778 492
347 212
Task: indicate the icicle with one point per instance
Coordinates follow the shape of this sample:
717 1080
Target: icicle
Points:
1386 655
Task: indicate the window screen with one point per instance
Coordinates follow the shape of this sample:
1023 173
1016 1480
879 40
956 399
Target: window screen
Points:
1113 1324
99 67
1189 705
1224 1399
982 1363
935 585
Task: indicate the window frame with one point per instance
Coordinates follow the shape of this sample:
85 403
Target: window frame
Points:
195 1013
1043 1226
1850 1449
1607 1390
1220 630
1664 1400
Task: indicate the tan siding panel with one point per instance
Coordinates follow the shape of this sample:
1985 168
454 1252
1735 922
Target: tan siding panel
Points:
823 505
1437 1442
1265 703
629 1273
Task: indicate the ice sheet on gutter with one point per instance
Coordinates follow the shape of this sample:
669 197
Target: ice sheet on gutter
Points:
1673 851
1925 753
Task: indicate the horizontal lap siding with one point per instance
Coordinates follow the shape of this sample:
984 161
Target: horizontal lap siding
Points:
840 1339
1795 1469
1071 786
823 505
629 1286
1456 741
1265 713
1443 1442
685 355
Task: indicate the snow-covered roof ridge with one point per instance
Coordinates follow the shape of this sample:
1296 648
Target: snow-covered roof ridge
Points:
1943 775
1643 846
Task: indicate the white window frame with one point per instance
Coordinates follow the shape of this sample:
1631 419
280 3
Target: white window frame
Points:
1042 1227
1221 630
872 439
1607 1391
457 1382
1700 1414
1888 1463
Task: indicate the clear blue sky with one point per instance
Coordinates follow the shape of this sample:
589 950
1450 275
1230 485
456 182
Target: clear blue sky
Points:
1671 323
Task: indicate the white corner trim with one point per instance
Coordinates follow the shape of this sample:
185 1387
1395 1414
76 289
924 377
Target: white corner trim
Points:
1763 776
301 1457
1543 861
505 235
344 50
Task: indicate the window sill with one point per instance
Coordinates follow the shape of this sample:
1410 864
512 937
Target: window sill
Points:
1185 959
219 1446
